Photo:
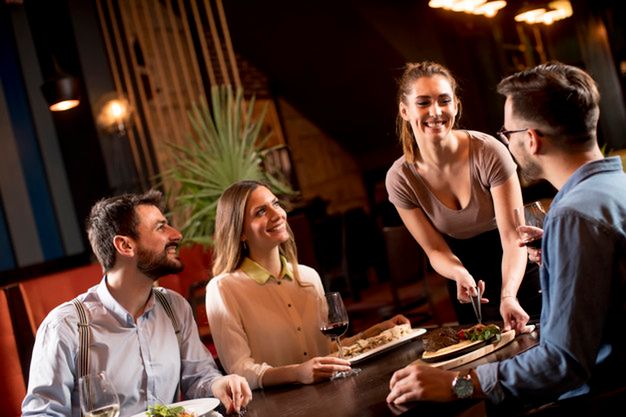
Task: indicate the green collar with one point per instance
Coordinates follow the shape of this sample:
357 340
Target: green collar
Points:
261 275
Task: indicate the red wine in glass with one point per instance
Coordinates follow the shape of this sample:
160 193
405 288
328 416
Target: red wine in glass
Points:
334 323
534 243
335 330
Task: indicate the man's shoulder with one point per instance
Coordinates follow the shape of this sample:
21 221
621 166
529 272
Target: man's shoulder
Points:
63 317
175 299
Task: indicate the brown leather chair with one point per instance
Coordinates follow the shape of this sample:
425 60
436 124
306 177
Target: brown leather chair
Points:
407 266
13 387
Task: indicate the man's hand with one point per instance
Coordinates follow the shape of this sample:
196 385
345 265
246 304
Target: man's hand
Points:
419 382
233 391
534 255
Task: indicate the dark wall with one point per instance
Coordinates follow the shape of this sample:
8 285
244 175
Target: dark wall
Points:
337 62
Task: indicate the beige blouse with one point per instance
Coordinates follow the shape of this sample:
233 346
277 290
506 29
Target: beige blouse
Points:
256 325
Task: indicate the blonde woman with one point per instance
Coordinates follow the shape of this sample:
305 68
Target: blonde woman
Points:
262 305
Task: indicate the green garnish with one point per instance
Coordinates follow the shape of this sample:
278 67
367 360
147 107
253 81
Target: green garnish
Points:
159 410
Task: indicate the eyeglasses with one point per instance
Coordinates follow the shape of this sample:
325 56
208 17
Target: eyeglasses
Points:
505 135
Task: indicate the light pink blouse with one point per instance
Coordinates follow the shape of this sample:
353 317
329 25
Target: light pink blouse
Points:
258 326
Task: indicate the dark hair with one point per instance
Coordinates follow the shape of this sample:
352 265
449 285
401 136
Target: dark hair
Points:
413 72
562 101
116 216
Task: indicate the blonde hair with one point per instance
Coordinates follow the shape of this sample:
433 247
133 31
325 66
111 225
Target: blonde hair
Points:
413 72
229 250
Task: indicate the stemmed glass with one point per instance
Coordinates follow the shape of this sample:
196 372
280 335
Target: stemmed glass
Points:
334 323
97 396
533 215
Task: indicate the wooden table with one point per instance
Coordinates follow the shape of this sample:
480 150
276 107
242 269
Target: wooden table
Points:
364 394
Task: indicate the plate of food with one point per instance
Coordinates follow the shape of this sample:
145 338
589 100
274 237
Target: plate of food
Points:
190 408
388 339
446 343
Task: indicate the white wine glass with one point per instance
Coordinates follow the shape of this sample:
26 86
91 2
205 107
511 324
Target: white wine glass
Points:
334 323
97 396
533 215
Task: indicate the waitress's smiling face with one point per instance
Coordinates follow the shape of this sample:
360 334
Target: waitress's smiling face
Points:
430 107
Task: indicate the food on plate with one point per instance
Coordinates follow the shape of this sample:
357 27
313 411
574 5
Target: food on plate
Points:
440 338
445 337
160 410
480 332
384 337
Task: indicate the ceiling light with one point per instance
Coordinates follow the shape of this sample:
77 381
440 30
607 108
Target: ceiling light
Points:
61 93
546 13
482 7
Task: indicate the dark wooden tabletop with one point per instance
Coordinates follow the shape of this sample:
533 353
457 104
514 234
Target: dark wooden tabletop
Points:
364 394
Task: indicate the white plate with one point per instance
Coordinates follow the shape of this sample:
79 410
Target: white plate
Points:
383 348
199 406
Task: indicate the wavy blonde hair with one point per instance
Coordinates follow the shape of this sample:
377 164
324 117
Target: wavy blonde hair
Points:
229 250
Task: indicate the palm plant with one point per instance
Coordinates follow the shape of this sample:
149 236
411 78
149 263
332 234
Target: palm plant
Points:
224 147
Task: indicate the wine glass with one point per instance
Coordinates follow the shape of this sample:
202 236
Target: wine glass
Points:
533 215
97 396
334 323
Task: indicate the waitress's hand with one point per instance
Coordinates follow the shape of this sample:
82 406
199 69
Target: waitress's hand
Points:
466 288
513 315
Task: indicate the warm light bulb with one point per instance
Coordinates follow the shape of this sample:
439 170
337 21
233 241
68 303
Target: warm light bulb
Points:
116 110
438 4
530 16
64 105
491 8
114 115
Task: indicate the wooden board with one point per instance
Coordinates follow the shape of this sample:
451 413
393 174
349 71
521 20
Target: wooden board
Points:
506 338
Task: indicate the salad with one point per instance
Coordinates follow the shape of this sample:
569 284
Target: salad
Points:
160 410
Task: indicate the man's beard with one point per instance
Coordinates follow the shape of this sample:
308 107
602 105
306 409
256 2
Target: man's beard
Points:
529 170
156 265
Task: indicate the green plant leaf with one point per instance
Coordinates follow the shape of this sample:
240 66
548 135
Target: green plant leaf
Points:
223 147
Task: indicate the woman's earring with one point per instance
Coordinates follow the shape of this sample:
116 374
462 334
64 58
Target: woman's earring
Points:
245 245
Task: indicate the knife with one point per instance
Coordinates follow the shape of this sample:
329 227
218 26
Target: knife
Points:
476 305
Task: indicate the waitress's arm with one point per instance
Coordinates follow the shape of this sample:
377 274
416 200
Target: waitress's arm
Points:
438 252
506 197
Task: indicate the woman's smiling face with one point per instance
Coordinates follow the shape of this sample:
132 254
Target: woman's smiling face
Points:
265 221
430 107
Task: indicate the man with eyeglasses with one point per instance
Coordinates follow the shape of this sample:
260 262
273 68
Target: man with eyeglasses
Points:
550 117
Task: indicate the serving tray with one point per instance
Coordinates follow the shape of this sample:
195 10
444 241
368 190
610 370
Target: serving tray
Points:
465 356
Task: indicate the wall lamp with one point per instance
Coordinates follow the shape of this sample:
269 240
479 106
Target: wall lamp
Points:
114 114
61 93
479 7
545 12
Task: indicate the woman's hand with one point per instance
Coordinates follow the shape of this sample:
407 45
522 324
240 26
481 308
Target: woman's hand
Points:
233 391
513 314
466 288
320 368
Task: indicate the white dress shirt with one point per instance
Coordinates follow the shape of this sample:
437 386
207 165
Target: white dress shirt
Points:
141 358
